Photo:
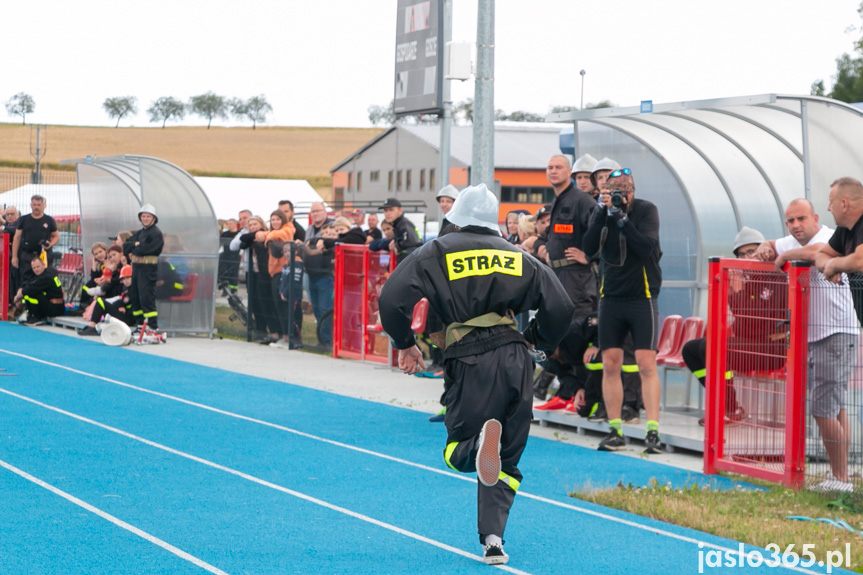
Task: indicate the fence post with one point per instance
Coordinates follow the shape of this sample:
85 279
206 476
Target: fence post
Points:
796 365
4 280
714 334
337 300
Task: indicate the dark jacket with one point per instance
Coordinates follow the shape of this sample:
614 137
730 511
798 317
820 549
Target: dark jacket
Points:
467 274
150 242
320 265
352 236
629 251
570 217
406 237
44 286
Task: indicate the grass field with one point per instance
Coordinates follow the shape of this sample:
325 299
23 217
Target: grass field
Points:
302 153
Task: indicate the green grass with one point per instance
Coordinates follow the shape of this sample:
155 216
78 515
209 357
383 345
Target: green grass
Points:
236 330
754 517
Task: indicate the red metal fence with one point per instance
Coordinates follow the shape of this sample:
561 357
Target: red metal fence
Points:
758 419
360 275
4 275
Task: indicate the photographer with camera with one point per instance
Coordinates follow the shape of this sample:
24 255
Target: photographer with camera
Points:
624 232
36 232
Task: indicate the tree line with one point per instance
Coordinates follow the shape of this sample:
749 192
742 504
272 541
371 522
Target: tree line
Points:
167 108
462 113
848 79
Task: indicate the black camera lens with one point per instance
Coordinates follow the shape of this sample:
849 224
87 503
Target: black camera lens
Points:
617 199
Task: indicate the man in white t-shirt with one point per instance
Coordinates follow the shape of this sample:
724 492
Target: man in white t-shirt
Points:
833 334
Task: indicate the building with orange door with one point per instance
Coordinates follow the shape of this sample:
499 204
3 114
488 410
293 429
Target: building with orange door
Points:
403 162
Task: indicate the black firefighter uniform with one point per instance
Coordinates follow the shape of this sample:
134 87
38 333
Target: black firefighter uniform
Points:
473 277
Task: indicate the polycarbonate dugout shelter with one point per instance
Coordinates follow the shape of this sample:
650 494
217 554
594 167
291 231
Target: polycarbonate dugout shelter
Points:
714 166
113 188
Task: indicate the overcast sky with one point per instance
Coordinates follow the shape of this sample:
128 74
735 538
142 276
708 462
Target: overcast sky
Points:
323 62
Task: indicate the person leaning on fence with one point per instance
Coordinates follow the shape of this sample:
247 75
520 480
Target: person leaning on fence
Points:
406 238
477 282
757 343
41 294
844 252
142 249
832 335
320 270
260 295
624 233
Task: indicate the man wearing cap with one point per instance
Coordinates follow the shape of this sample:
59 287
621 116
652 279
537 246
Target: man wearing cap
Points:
543 220
358 216
477 282
143 249
624 233
570 215
406 238
582 169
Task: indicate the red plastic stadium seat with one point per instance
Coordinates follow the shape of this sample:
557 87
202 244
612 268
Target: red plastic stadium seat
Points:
669 337
693 328
189 288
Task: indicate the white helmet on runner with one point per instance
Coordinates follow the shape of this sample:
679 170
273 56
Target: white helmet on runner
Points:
475 206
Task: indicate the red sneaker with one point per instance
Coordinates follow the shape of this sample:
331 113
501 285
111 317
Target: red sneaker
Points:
554 404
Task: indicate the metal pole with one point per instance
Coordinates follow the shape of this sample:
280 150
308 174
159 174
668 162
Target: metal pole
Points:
582 89
482 162
446 119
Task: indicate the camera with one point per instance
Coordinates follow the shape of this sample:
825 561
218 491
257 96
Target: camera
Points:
617 198
45 244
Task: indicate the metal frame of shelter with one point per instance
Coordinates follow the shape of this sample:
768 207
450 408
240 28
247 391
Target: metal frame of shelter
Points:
713 166
113 188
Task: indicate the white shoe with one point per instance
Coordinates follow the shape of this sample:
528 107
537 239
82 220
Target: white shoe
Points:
488 453
493 554
281 344
832 485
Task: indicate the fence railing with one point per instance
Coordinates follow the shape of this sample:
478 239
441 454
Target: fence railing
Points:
769 332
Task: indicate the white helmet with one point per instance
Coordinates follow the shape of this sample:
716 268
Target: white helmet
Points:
605 163
448 191
475 206
584 164
148 209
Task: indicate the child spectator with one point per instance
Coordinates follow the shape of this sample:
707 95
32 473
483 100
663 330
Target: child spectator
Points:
117 306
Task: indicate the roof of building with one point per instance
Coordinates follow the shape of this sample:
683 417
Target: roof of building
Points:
517 145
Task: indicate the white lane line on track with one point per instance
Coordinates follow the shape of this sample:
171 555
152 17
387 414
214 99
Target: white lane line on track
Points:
462 477
260 481
118 522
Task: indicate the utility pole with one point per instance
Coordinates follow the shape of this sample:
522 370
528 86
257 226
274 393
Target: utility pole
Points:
482 161
38 154
446 118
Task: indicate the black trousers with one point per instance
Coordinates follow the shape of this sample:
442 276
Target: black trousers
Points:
142 294
694 355
497 384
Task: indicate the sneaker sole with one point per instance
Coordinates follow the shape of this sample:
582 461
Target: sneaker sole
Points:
496 560
488 454
603 447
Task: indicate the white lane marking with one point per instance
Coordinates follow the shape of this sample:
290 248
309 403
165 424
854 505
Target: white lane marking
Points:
605 516
116 521
260 481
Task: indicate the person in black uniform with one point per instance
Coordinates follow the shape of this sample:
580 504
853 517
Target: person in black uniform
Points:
570 215
36 232
143 249
625 234
41 294
476 282
405 236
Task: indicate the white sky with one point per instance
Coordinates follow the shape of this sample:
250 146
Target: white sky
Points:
323 62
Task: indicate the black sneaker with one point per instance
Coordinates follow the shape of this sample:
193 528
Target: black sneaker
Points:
629 415
34 321
488 453
599 414
89 330
614 441
652 444
493 554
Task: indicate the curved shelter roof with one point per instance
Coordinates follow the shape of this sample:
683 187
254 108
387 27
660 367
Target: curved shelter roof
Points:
113 188
714 166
